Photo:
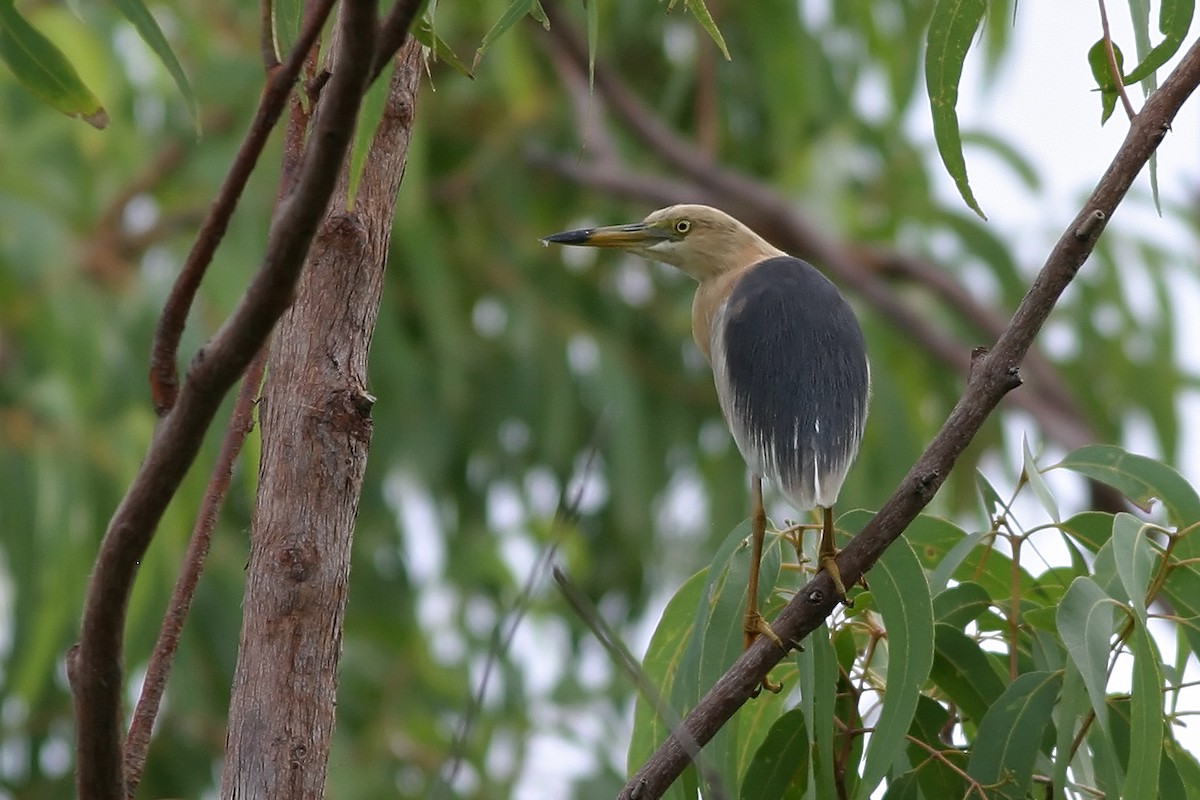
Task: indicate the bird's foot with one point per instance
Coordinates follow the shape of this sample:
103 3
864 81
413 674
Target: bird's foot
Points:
827 563
753 626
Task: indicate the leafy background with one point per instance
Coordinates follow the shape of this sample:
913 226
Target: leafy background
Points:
510 376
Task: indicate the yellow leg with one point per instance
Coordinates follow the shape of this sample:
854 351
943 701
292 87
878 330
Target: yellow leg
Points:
754 625
826 555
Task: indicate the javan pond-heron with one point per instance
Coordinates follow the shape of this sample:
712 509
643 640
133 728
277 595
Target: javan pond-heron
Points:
787 356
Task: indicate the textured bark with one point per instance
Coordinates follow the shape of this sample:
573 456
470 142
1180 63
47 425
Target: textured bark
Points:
316 428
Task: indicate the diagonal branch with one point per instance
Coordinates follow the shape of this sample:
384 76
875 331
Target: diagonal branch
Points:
94 664
994 375
164 382
241 422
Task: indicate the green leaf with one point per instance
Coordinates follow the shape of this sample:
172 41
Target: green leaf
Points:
1134 559
961 604
1085 621
44 70
818 694
147 27
1092 529
937 776
370 113
515 12
1010 734
1187 767
964 672
661 664
780 765
1101 71
951 29
1072 706
422 30
1139 478
1038 484
700 11
717 637
1174 19
286 19
1146 717
902 594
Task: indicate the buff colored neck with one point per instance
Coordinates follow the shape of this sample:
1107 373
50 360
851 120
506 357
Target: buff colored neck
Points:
713 290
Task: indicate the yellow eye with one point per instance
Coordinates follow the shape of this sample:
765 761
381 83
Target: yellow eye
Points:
683 226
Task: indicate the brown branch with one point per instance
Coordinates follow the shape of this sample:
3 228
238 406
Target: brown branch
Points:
164 381
1114 70
315 403
995 375
392 33
94 664
241 422
266 35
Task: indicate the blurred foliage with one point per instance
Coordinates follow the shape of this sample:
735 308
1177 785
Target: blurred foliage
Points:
499 367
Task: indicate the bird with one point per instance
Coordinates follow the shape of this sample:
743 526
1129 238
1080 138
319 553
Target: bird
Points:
788 358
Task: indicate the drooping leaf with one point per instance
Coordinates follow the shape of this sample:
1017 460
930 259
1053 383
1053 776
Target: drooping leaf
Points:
1103 74
1139 478
700 11
1145 717
1085 621
1037 483
147 27
1174 20
661 664
961 604
515 12
939 776
963 671
902 593
780 765
1134 559
423 31
951 30
1006 747
44 70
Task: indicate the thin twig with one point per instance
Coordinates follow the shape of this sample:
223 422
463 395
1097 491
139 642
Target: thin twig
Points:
392 33
619 654
266 35
1114 70
565 517
996 374
241 422
94 664
164 381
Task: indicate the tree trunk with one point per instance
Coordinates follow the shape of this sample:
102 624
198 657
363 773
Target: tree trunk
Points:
316 429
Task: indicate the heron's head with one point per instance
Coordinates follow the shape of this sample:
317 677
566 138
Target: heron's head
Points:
698 240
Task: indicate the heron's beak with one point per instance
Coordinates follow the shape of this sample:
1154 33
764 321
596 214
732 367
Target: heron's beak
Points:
636 234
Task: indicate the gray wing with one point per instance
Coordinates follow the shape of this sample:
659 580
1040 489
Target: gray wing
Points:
792 377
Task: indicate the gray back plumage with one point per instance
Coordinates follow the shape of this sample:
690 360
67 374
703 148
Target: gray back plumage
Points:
792 377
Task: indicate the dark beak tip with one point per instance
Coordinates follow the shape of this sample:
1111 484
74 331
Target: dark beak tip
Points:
567 237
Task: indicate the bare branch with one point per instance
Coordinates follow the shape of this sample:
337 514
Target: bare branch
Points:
995 375
164 382
94 664
1114 70
392 33
241 422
